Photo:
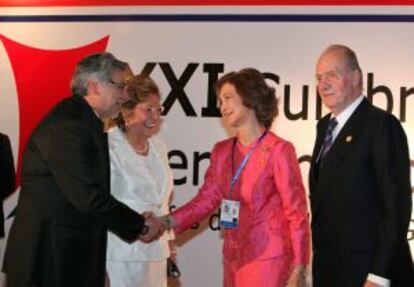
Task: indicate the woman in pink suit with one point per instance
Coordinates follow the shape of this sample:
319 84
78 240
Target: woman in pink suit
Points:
255 177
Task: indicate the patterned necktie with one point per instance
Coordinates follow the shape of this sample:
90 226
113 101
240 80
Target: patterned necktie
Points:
327 143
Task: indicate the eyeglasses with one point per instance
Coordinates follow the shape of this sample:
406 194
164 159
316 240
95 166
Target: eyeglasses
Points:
119 85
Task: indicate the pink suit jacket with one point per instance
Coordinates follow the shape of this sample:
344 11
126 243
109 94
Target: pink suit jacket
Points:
273 214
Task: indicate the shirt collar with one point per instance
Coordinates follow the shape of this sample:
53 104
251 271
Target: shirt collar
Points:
343 117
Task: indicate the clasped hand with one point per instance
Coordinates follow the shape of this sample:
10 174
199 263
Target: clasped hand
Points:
156 227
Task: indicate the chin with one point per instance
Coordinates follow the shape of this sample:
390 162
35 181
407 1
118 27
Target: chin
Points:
230 122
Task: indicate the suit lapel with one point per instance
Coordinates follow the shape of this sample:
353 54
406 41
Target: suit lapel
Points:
333 160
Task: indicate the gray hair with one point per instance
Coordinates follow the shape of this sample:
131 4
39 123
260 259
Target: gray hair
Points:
351 59
99 66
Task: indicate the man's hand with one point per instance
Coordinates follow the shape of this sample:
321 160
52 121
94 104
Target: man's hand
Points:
155 228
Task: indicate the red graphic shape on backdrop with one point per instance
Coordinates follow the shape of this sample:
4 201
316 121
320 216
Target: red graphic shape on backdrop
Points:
42 79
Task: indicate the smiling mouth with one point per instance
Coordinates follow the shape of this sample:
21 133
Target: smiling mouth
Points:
325 95
149 125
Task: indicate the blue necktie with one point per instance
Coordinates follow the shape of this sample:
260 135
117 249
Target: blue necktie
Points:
328 141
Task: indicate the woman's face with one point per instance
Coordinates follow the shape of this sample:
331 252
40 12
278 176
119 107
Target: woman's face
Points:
232 109
145 117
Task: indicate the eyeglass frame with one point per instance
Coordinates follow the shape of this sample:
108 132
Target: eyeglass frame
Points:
119 85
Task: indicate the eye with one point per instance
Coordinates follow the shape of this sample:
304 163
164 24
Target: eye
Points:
318 78
330 74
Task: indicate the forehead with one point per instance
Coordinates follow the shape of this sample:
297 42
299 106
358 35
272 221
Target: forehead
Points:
151 98
118 74
330 61
227 88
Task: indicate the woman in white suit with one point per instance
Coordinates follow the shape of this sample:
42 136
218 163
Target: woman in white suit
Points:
142 179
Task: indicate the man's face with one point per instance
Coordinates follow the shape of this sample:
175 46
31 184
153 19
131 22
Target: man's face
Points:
113 93
337 84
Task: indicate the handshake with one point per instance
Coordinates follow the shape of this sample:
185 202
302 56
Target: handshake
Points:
154 226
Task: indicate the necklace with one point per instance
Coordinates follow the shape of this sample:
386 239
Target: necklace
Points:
143 150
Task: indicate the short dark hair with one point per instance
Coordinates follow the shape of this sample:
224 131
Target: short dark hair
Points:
100 66
251 85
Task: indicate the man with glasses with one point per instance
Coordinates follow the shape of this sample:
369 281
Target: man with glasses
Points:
359 184
65 209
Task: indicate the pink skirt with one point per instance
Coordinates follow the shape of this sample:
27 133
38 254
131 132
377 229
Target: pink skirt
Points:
272 272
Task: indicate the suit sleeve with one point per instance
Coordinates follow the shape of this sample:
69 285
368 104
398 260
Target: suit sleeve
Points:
390 158
7 172
206 201
289 184
73 154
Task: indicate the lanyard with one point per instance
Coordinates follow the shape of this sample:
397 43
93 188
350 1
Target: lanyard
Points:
244 162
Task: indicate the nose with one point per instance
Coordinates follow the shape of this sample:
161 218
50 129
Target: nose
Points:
222 107
323 84
156 115
124 96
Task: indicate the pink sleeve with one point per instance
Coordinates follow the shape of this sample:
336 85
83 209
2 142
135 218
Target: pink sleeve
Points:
289 184
206 201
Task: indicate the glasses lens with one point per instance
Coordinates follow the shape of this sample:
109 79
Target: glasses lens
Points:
119 85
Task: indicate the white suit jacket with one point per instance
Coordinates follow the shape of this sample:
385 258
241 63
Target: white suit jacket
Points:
132 184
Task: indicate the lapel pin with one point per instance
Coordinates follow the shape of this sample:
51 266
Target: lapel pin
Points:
348 139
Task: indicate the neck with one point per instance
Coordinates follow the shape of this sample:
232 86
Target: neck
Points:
247 134
93 103
139 143
337 112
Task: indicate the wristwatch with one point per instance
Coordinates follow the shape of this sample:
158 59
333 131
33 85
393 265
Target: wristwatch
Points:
144 229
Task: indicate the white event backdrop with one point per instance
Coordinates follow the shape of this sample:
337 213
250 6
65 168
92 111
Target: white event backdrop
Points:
285 48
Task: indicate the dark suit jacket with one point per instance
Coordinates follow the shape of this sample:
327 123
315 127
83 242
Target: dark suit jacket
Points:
59 235
7 175
361 202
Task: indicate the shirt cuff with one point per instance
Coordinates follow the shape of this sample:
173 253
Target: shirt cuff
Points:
383 282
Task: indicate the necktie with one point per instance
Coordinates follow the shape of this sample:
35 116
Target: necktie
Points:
327 143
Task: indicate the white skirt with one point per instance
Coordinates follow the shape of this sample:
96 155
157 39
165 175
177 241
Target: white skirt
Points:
136 273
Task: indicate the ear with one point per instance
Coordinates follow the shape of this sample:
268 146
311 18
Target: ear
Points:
125 114
356 78
93 88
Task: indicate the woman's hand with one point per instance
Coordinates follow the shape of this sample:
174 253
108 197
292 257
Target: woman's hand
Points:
173 250
298 277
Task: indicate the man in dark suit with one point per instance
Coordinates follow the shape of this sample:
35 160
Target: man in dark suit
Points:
359 184
7 175
65 209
